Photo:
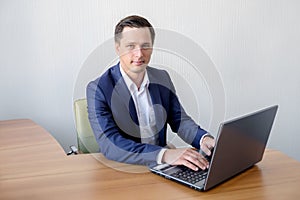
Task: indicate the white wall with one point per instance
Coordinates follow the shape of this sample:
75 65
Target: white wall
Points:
254 45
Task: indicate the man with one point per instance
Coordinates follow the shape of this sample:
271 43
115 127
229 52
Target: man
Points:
131 104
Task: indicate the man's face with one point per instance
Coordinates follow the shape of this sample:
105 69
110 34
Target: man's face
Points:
134 49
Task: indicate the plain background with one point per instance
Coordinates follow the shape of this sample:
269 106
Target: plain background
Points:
253 44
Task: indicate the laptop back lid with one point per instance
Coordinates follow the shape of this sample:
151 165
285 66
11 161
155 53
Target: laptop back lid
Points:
240 144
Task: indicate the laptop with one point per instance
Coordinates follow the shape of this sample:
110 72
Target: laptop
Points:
240 144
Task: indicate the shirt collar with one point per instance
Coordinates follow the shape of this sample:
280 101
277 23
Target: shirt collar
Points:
131 85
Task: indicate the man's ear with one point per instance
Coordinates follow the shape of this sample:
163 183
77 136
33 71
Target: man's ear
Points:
117 48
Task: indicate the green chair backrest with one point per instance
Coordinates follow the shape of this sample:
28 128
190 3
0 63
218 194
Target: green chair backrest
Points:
85 136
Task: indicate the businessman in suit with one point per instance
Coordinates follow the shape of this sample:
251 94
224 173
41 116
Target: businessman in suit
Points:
131 104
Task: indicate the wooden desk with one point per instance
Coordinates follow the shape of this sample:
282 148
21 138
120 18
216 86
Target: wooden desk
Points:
34 166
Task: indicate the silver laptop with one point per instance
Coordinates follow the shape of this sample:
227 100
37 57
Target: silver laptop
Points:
239 145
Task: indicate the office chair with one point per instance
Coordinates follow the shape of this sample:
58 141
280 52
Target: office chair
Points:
85 136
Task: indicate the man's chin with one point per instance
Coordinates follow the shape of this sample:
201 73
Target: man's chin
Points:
139 68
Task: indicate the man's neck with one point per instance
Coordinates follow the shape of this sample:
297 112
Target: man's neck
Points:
137 78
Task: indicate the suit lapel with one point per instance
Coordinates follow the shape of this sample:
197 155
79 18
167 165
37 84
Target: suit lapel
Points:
122 93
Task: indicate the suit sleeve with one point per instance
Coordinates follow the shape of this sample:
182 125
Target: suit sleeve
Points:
112 144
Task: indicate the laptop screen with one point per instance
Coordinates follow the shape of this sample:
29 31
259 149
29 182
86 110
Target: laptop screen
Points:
240 144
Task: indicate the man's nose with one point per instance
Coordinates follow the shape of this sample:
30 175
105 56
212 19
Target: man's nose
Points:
138 52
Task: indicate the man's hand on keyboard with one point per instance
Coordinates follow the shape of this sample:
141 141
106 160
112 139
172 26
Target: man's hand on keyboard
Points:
187 157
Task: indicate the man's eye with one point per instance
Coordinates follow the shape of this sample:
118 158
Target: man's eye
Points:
146 46
130 46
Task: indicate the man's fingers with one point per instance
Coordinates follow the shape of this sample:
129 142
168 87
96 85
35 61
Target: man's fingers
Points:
206 150
190 165
196 159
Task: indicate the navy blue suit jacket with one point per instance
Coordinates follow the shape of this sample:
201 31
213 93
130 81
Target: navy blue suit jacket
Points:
114 120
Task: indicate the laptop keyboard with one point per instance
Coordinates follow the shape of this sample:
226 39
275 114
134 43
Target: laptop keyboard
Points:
190 175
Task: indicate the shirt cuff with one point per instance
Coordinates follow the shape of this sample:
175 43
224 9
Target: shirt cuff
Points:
207 134
159 156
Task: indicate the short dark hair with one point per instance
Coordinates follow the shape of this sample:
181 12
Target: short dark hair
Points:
133 21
